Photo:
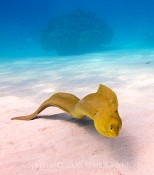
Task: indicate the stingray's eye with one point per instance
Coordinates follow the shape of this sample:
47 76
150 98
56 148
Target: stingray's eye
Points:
111 126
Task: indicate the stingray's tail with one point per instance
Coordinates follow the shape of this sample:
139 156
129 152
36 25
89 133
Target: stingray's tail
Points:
64 101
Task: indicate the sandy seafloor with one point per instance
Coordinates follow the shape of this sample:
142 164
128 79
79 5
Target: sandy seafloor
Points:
55 143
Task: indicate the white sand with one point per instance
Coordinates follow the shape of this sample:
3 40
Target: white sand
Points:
57 144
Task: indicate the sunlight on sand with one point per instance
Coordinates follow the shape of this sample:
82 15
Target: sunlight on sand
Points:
56 143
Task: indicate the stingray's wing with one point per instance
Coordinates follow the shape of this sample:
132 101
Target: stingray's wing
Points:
109 96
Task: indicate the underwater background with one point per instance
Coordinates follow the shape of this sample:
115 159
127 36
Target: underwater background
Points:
73 46
62 45
22 23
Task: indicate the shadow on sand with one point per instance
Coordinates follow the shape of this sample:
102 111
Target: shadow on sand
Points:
122 148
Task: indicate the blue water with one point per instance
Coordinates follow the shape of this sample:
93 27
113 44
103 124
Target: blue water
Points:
23 21
40 56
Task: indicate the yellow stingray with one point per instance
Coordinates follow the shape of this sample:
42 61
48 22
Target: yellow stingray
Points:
101 106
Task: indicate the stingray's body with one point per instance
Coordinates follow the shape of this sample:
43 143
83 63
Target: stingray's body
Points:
102 107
